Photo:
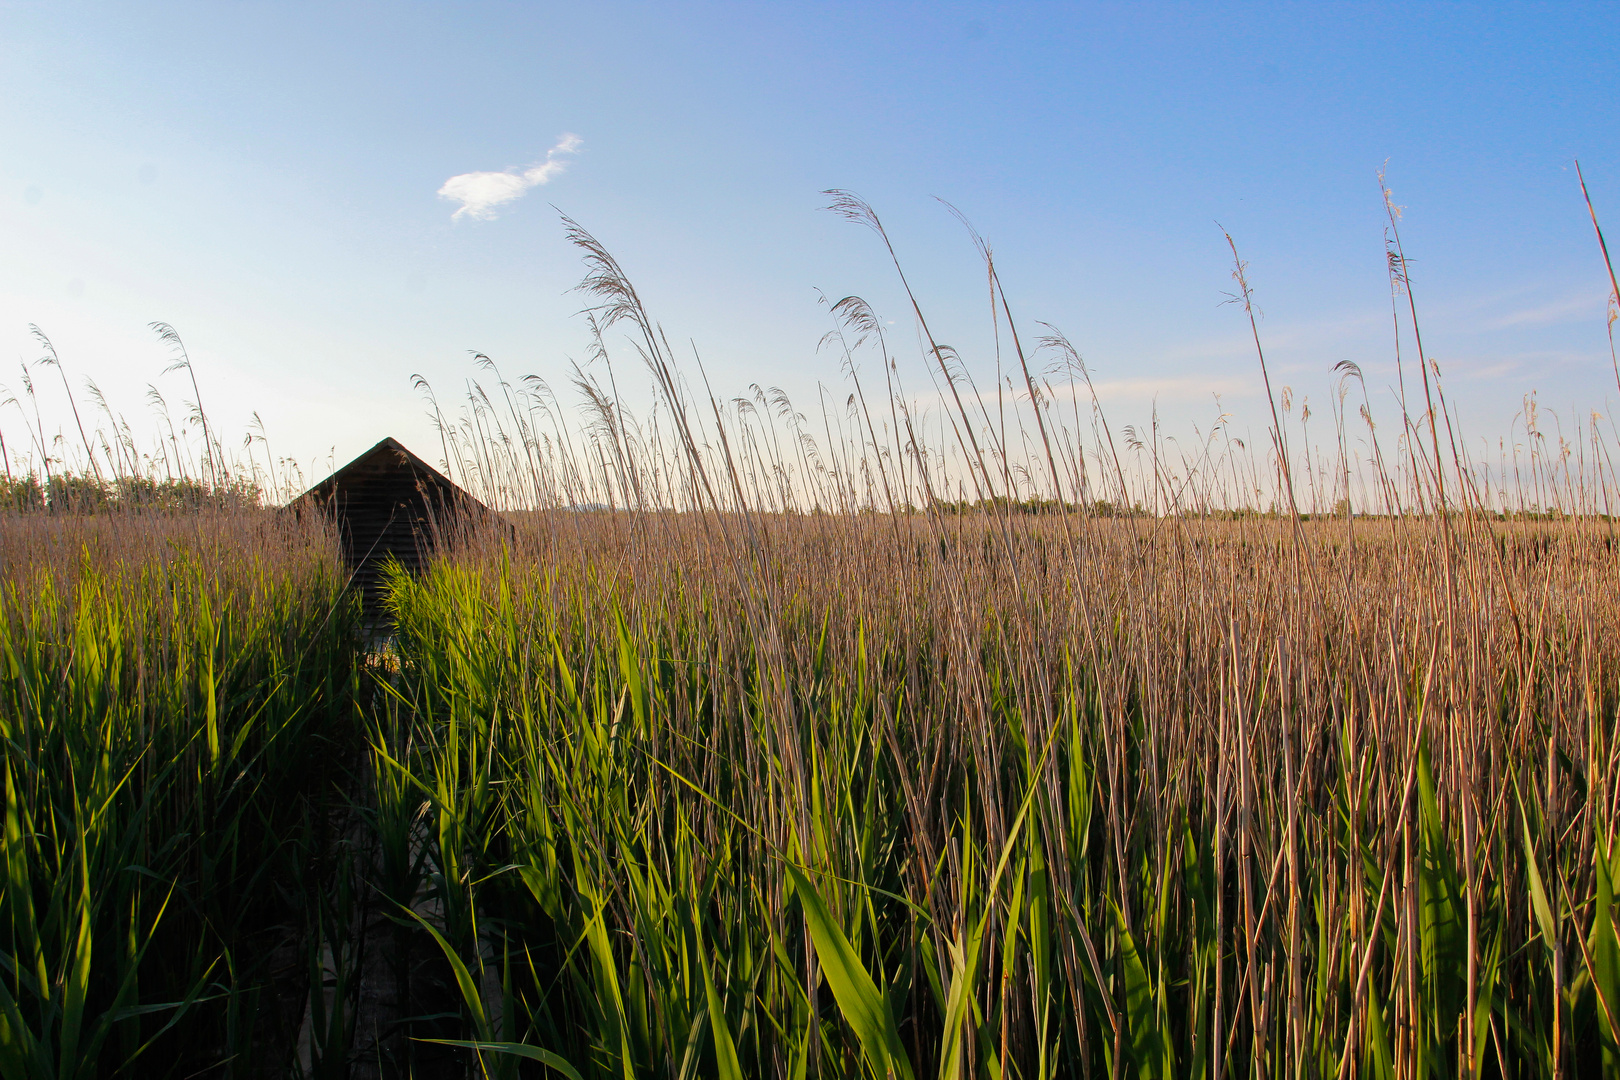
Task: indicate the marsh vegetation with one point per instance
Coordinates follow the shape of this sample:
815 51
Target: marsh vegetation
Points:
989 742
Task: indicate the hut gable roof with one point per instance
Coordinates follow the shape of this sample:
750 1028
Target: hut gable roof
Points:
383 469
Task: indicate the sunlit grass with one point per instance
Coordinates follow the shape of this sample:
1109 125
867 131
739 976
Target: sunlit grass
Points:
170 689
974 738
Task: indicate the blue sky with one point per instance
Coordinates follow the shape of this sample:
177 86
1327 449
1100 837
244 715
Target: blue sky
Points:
265 177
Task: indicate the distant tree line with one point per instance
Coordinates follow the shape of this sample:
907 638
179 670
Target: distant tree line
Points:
81 494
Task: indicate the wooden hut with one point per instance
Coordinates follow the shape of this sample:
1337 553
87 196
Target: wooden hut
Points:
389 503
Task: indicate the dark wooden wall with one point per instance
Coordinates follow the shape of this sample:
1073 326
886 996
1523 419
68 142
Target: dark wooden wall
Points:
390 504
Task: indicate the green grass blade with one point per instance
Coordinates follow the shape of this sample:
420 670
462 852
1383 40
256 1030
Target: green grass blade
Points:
864 1008
725 1051
522 1050
464 980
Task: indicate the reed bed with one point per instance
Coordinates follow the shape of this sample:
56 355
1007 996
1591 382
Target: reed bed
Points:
898 754
974 796
174 693
956 735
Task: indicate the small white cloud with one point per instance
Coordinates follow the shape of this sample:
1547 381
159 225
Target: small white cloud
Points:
480 193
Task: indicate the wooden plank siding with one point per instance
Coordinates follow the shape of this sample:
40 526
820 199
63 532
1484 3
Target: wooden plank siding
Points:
389 503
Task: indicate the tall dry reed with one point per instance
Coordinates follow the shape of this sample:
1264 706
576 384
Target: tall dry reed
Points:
998 748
